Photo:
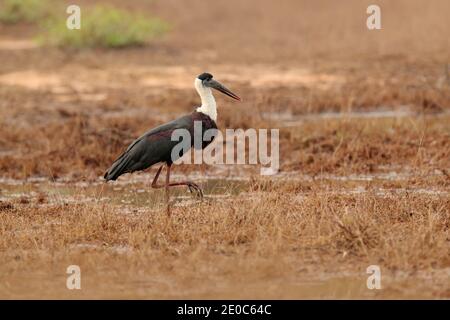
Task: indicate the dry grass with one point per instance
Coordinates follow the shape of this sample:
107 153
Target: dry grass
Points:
376 190
226 241
83 145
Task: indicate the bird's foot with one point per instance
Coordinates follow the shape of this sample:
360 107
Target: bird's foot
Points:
194 187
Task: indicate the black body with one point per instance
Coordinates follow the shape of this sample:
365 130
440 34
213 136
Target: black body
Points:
156 146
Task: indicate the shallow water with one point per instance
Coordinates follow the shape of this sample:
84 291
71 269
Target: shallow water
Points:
137 192
287 119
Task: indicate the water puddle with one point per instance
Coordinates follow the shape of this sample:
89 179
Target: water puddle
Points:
288 119
136 191
134 195
378 192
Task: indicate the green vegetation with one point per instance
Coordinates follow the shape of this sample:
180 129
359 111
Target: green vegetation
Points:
103 27
15 11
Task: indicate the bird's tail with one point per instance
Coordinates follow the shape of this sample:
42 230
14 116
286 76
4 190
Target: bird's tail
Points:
118 168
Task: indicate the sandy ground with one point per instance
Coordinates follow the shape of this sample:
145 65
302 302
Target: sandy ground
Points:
364 157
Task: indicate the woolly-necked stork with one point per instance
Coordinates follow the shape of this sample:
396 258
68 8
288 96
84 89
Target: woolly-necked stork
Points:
155 146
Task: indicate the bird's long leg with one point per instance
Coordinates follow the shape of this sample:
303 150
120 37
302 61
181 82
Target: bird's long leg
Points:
167 188
155 179
166 185
191 185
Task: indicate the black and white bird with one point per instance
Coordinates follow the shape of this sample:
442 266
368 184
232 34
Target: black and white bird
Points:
155 146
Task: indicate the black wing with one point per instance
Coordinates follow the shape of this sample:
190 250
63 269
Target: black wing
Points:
152 147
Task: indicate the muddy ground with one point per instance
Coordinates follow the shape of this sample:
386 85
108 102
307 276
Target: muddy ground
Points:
364 156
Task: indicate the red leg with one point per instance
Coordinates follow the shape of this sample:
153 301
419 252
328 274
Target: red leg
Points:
155 179
191 185
167 189
156 186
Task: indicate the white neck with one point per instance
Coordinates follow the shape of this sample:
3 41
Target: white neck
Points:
208 106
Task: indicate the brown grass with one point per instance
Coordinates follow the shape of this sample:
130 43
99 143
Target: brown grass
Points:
221 242
351 191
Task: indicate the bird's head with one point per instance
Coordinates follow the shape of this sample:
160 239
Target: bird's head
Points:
206 80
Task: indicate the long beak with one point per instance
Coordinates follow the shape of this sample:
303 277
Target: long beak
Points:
220 87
